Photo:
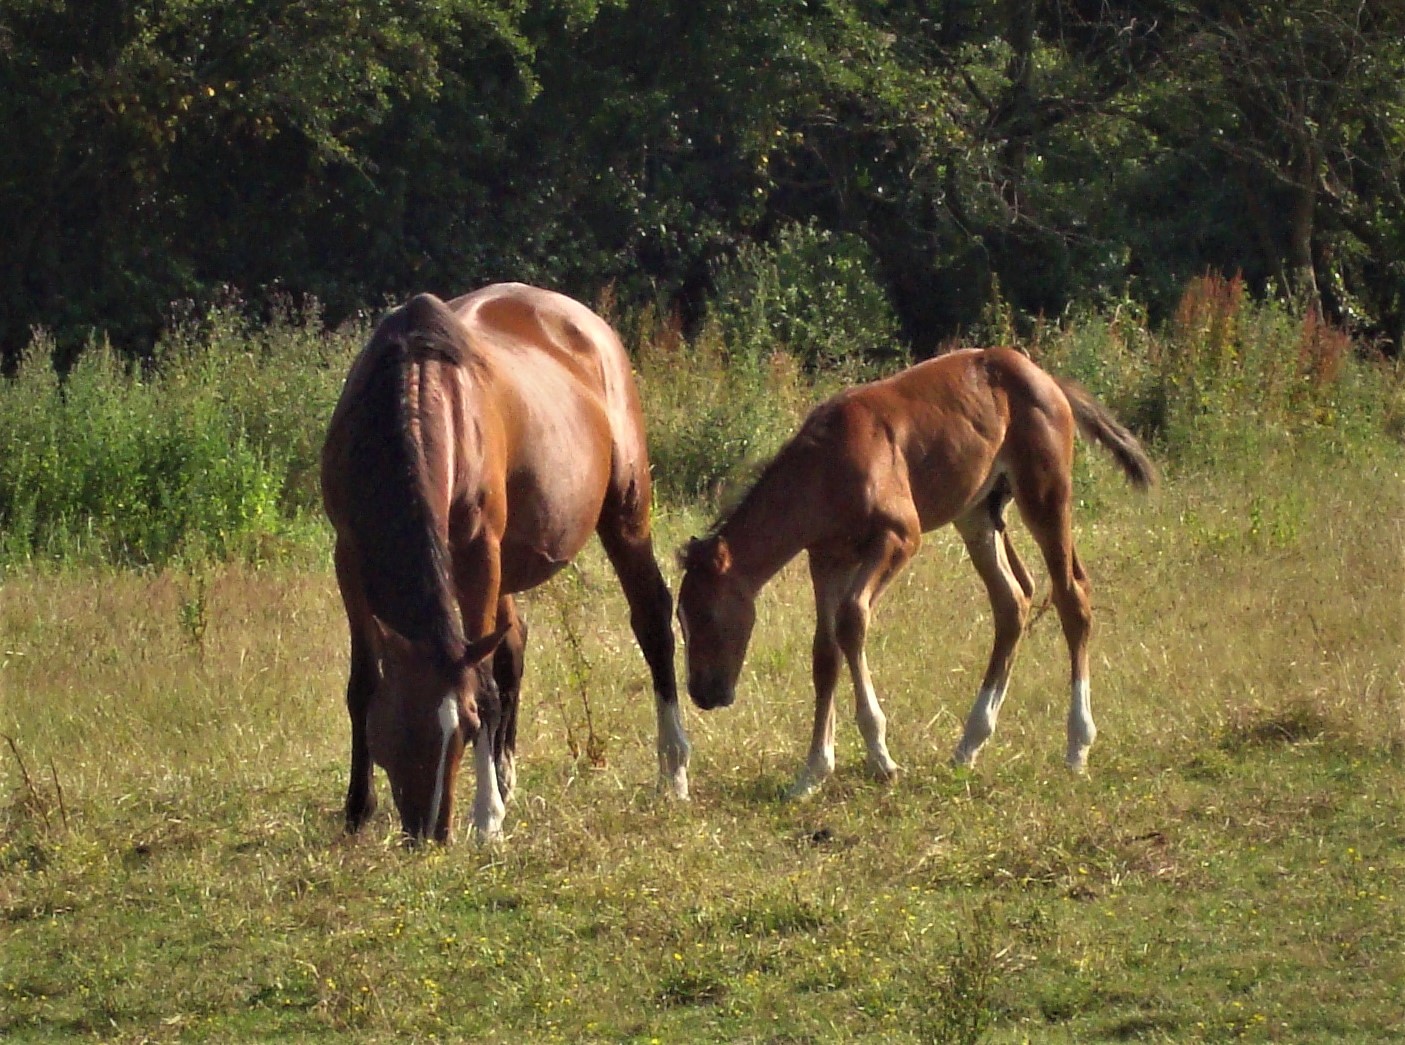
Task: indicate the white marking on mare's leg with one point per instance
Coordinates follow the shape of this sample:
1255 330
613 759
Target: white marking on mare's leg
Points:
674 749
488 809
448 726
1081 731
980 723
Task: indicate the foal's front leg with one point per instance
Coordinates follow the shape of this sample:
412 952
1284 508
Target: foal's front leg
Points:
819 763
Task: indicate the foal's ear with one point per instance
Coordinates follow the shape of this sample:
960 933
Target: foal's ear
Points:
482 649
709 554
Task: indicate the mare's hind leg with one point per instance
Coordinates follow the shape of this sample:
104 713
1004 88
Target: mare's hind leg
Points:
1008 585
508 662
624 532
360 686
1046 505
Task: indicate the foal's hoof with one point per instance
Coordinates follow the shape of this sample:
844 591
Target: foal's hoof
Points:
963 759
804 787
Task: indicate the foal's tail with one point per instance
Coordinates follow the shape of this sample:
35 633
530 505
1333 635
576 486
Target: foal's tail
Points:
1098 425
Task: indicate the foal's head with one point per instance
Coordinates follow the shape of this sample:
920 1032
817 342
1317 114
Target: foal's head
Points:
716 611
421 717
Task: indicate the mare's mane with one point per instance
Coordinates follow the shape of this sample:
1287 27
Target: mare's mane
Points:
404 561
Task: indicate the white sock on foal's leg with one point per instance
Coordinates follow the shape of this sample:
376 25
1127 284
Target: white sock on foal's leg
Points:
819 764
674 749
873 724
980 723
1081 731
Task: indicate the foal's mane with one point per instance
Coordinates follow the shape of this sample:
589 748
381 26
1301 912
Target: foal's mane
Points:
737 499
404 561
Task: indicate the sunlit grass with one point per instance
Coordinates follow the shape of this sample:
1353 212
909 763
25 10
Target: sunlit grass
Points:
172 864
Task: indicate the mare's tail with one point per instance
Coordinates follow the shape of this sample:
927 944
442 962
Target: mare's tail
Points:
1098 425
404 561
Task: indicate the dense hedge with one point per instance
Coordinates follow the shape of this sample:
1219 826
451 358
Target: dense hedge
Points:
210 449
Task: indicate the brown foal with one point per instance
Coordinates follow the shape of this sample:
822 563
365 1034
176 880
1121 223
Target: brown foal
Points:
951 440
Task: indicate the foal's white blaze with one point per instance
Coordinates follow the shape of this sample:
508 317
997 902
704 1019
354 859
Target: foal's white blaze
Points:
1081 731
980 724
448 726
488 808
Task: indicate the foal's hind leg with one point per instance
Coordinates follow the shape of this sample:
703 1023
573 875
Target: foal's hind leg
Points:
509 660
360 686
624 532
1009 588
1047 511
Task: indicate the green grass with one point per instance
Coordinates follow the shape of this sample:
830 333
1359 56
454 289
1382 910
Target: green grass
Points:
172 865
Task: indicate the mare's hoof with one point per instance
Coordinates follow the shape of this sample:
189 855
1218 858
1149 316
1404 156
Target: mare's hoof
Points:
675 784
359 818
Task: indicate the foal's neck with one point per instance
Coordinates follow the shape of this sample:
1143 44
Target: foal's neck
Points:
776 520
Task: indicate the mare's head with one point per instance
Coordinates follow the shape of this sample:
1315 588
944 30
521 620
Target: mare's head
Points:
421 717
716 611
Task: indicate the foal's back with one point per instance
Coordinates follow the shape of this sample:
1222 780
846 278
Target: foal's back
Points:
941 432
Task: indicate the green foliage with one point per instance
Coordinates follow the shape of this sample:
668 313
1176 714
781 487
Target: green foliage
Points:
710 417
209 453
346 149
813 294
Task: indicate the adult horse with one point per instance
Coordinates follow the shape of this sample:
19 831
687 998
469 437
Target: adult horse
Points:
951 440
475 447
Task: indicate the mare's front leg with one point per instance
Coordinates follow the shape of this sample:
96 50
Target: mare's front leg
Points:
360 687
625 537
477 571
489 810
509 661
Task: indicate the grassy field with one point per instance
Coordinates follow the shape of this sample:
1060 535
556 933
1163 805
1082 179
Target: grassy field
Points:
172 865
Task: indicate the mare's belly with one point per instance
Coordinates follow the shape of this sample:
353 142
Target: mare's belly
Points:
549 520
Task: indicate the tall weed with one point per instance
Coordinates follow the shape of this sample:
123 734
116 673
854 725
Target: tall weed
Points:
207 452
1229 377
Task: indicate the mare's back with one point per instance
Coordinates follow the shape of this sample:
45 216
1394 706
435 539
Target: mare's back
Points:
531 330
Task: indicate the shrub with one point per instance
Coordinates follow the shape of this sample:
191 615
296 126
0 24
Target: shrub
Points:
813 294
208 452
708 418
